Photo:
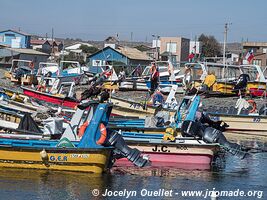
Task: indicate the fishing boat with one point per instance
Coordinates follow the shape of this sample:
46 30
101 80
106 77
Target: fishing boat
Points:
60 94
21 71
222 84
85 156
229 79
243 121
81 147
256 85
168 76
183 152
166 149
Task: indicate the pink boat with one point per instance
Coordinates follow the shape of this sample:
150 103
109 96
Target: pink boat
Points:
190 154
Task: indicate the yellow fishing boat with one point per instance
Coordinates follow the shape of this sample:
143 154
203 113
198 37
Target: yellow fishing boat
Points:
85 155
92 160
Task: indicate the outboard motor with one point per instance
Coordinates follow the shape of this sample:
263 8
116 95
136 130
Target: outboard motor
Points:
242 82
210 135
122 150
263 110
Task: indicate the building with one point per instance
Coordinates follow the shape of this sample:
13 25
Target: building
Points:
175 47
120 57
259 50
15 39
46 46
195 47
8 54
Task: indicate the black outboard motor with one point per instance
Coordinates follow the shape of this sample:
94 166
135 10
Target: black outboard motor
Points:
263 110
242 82
210 135
122 150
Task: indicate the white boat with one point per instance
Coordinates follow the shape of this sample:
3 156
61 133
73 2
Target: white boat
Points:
168 76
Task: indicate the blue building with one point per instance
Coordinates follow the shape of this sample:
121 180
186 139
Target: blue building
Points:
15 39
119 57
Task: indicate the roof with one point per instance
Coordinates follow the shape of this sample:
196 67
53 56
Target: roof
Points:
111 39
41 42
77 46
133 53
27 51
38 42
130 53
254 44
20 32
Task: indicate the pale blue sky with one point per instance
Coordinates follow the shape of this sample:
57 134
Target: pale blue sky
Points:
95 20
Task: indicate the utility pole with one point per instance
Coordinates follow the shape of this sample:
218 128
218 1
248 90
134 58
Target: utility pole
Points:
131 36
53 41
157 38
226 28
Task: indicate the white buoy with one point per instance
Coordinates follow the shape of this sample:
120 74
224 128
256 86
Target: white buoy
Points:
14 96
26 99
59 110
1 98
32 86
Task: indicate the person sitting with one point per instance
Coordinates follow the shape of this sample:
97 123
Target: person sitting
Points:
242 83
209 81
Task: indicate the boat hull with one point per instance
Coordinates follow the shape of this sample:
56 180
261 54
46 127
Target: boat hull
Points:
93 161
59 100
175 155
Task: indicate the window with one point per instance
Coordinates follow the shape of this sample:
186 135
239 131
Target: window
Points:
256 62
171 47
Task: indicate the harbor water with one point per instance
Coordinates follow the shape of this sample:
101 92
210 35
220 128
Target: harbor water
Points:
229 174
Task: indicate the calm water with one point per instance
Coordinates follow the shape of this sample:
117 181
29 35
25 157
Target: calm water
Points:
233 174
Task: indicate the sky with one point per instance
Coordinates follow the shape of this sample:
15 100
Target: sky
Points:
137 19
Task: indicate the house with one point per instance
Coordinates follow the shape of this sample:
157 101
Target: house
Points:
15 39
120 57
111 41
8 54
176 47
259 50
47 46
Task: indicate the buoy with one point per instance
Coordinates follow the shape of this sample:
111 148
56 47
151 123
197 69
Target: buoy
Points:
1 98
253 104
103 136
26 99
44 157
14 96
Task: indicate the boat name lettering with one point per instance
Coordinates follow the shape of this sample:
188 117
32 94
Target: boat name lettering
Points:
5 117
256 119
162 148
79 156
182 147
58 158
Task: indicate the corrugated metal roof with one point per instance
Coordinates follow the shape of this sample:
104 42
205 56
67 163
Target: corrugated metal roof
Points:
20 32
27 51
133 53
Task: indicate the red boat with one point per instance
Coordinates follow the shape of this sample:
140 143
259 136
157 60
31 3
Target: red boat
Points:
58 98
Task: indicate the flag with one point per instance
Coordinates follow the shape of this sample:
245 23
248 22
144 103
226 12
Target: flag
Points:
249 56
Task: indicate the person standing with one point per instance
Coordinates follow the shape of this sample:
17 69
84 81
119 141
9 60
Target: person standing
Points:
154 79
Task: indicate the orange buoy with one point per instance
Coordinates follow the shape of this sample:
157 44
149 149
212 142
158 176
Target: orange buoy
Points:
253 104
82 129
103 135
